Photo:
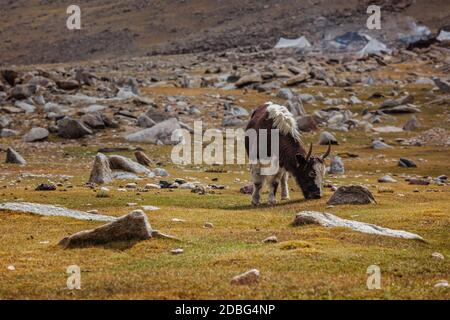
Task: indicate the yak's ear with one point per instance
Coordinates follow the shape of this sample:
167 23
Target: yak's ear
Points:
301 160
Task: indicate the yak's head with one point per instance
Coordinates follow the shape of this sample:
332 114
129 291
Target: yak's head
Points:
310 172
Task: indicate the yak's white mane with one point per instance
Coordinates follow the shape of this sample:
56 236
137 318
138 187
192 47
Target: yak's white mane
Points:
283 120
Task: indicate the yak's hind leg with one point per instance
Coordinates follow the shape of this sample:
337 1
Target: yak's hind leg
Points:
274 182
285 186
258 183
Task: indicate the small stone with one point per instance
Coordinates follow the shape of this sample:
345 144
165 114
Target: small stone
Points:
46 187
131 186
36 134
11 268
438 255
247 278
150 186
380 145
441 284
208 225
248 189
101 172
14 157
352 194
150 208
271 239
327 138
177 251
387 179
142 158
406 163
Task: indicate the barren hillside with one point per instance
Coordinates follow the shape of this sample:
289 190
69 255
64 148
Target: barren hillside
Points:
34 31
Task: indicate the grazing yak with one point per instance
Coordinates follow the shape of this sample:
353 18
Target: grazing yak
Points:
307 169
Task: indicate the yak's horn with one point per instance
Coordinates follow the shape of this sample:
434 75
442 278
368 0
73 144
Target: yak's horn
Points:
309 152
327 153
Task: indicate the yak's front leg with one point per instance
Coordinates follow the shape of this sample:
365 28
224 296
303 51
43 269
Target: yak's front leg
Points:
258 182
273 187
285 186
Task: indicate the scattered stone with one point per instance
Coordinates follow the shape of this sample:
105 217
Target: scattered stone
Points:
306 124
247 278
337 166
14 157
121 163
68 84
208 225
150 208
351 195
248 189
412 124
52 211
406 163
248 79
444 86
101 172
332 221
69 128
11 268
36 134
380 145
132 227
46 187
327 138
438 256
441 284
103 193
161 133
177 251
271 239
142 158
419 182
387 179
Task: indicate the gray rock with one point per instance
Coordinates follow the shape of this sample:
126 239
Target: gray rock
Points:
145 121
248 79
52 211
23 91
101 172
327 138
332 221
351 195
68 84
94 120
69 128
27 107
5 133
160 133
380 145
406 163
306 124
444 86
285 93
412 124
247 278
125 164
387 179
337 166
36 134
14 157
132 227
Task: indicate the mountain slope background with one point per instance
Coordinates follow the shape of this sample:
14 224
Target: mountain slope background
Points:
34 31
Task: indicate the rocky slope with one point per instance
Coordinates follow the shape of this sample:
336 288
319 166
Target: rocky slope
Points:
34 31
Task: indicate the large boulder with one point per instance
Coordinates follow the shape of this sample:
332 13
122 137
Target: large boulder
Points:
161 133
124 164
14 157
69 128
132 227
36 134
351 195
101 172
332 221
